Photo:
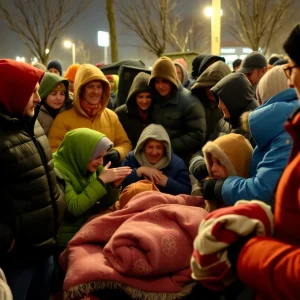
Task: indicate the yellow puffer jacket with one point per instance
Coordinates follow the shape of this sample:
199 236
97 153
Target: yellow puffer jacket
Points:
106 120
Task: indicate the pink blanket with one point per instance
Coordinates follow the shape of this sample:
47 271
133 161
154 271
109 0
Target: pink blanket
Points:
144 248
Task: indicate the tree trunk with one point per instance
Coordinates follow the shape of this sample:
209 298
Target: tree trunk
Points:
112 30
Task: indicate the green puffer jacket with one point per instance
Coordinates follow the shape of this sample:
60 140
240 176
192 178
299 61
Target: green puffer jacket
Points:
83 190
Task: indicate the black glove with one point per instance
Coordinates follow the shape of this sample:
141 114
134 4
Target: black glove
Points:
113 156
207 187
200 170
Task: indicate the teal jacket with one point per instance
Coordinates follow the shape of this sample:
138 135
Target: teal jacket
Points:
83 191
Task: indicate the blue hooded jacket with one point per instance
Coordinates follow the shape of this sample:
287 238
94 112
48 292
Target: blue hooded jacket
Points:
271 154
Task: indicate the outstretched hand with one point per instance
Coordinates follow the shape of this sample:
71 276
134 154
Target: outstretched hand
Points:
114 175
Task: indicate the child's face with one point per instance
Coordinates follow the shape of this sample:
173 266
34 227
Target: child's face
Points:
94 164
217 169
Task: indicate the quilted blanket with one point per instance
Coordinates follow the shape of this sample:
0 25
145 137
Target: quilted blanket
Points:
145 248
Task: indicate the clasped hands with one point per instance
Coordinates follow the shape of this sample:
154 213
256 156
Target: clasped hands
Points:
154 175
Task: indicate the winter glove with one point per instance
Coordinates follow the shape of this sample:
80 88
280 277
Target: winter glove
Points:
197 167
207 187
113 156
212 189
200 171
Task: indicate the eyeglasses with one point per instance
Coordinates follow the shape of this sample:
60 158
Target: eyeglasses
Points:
288 70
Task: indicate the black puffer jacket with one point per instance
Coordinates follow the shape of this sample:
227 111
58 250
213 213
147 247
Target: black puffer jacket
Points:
32 203
128 113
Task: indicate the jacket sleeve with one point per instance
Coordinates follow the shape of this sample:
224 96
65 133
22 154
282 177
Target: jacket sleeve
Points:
194 128
57 132
262 185
121 143
273 272
179 183
79 204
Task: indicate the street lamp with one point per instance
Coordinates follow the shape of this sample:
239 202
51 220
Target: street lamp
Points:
69 44
215 14
103 41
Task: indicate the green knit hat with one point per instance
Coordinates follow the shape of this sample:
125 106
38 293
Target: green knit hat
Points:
50 82
164 68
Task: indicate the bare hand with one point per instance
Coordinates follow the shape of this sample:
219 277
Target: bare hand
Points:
115 174
152 174
162 181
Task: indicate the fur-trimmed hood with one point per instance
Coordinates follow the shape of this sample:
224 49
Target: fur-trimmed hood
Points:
233 151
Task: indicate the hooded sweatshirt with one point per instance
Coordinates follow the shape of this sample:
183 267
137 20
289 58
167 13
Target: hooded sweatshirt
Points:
202 62
181 114
133 120
170 164
30 196
236 93
83 190
185 76
105 121
210 77
47 114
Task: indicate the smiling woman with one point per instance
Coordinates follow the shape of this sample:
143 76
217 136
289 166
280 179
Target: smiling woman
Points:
154 160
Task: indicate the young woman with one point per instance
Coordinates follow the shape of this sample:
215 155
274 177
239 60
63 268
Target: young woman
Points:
55 98
135 114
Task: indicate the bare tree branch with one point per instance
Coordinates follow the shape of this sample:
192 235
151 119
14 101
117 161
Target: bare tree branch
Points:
40 25
259 21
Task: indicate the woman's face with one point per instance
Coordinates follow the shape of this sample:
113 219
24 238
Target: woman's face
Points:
154 151
94 164
92 92
143 100
56 99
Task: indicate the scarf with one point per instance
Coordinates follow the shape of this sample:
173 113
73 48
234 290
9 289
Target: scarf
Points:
52 111
163 163
143 113
90 109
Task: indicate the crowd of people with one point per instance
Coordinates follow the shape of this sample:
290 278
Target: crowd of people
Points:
189 190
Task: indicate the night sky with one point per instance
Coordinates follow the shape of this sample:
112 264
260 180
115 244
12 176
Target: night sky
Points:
92 20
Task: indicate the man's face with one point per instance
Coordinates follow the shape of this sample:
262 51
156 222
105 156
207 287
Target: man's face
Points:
53 70
33 102
92 92
293 74
163 86
255 76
